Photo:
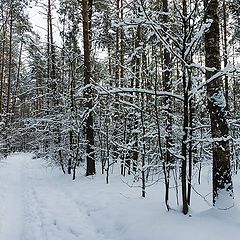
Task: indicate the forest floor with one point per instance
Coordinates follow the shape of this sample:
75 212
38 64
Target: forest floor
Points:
40 203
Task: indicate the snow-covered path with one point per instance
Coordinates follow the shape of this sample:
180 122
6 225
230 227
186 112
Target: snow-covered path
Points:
12 199
41 203
35 208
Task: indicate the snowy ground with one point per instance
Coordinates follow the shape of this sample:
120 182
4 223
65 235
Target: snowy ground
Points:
40 203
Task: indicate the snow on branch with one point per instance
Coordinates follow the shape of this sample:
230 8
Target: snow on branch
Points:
140 90
227 70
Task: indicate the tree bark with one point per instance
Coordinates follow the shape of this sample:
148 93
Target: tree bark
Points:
167 85
2 75
10 62
222 180
225 53
51 57
18 79
185 113
88 92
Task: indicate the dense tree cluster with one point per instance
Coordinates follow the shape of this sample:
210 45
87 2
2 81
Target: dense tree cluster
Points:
149 86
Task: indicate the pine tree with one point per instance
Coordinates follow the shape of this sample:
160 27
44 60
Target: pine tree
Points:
86 14
222 181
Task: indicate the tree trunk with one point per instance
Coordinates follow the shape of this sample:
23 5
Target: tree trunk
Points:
222 181
117 48
167 85
122 48
10 62
88 92
2 75
225 53
18 79
185 113
51 57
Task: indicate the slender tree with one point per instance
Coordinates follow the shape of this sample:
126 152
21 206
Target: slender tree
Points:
88 92
9 92
167 83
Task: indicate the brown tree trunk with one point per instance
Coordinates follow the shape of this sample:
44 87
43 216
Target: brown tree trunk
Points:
88 93
185 113
18 79
117 75
225 53
10 63
122 49
2 70
51 57
222 181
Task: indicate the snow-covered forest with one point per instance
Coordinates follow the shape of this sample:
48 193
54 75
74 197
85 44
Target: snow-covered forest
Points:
137 102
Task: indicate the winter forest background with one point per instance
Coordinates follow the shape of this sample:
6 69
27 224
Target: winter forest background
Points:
145 89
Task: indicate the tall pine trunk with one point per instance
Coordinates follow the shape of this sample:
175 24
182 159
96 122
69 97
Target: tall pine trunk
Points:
10 62
222 181
88 93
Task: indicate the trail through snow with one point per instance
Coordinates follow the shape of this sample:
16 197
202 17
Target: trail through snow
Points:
41 203
35 208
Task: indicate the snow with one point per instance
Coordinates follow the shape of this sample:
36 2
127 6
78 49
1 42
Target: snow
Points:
224 200
218 99
139 90
41 203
